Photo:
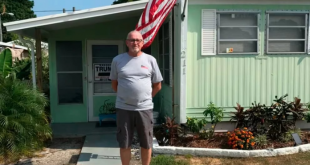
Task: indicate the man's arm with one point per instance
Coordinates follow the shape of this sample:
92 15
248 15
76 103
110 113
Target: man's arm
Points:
114 85
156 88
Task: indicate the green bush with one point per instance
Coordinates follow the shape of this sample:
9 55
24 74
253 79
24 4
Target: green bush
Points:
275 120
23 124
261 141
195 125
287 136
307 117
167 160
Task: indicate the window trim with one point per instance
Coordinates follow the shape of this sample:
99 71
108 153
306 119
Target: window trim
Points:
169 38
218 40
267 31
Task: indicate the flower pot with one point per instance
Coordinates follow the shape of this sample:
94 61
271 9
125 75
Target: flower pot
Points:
106 116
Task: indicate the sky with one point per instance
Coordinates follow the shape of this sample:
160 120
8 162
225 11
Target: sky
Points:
45 5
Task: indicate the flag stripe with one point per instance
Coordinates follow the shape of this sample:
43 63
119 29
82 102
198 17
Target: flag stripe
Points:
147 13
149 37
155 19
153 16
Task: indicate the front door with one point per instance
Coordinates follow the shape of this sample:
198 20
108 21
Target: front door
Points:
100 55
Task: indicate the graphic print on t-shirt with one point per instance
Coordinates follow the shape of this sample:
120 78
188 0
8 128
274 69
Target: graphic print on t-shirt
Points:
142 66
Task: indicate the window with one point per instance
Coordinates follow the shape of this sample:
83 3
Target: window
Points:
69 71
229 32
286 33
165 52
102 56
237 33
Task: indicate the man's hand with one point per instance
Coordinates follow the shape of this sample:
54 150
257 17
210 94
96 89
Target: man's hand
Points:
114 85
156 88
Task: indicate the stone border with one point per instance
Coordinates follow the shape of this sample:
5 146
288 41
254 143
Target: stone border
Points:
171 150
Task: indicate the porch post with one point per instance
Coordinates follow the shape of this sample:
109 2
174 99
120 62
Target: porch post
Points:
180 44
39 59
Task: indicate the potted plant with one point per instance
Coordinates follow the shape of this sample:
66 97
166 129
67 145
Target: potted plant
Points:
107 111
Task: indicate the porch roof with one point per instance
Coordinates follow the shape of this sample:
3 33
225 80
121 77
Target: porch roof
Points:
78 18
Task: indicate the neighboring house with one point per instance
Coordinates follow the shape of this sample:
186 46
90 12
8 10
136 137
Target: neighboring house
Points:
18 51
222 51
44 45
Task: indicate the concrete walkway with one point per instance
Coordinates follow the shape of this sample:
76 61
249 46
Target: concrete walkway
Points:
100 149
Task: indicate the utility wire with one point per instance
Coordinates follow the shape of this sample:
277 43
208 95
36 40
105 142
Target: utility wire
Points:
53 10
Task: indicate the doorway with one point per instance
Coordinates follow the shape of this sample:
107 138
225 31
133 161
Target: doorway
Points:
99 58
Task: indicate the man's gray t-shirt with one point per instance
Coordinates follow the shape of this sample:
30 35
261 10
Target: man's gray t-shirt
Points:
135 76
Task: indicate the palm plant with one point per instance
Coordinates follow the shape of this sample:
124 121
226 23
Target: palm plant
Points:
23 123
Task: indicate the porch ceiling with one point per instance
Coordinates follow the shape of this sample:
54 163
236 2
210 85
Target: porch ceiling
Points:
75 19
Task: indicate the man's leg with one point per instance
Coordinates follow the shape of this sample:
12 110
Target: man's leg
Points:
144 125
146 155
125 155
125 129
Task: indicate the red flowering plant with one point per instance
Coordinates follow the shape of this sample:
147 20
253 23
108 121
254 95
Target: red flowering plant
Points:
241 139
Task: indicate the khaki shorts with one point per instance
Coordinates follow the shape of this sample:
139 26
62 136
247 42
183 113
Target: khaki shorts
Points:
127 121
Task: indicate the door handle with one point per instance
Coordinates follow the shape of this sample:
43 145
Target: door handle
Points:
90 81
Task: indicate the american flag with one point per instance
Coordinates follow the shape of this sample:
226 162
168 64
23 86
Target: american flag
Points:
153 16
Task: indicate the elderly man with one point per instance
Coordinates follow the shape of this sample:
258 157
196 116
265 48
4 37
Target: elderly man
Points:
136 79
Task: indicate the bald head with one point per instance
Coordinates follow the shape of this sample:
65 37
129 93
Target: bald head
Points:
134 33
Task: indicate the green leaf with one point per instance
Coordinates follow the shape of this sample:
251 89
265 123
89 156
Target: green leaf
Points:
5 62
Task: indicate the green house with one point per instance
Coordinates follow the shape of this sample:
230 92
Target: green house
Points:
220 51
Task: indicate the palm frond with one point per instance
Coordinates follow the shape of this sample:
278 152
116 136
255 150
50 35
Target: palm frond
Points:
23 123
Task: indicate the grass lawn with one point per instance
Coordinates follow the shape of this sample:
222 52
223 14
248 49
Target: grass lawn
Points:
295 159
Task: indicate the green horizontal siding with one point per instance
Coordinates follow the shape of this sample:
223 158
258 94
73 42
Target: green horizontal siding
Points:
229 79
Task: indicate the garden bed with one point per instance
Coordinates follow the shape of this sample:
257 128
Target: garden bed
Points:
219 141
260 131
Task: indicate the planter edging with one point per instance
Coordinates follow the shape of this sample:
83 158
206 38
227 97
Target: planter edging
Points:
212 152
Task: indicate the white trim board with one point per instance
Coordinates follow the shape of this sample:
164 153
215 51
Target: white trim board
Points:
77 15
261 2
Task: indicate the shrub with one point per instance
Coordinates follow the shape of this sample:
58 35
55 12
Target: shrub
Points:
287 136
307 117
215 113
195 125
274 120
23 123
238 116
261 141
168 131
241 139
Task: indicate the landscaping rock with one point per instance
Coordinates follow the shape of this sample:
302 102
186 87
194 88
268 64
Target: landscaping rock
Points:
304 148
262 153
185 151
164 150
287 150
234 153
208 152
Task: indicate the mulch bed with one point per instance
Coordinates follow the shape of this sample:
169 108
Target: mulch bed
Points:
220 140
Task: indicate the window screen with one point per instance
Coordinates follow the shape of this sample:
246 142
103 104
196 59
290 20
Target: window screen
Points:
69 71
238 33
286 33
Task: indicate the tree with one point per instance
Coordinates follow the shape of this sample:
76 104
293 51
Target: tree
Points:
122 1
22 9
